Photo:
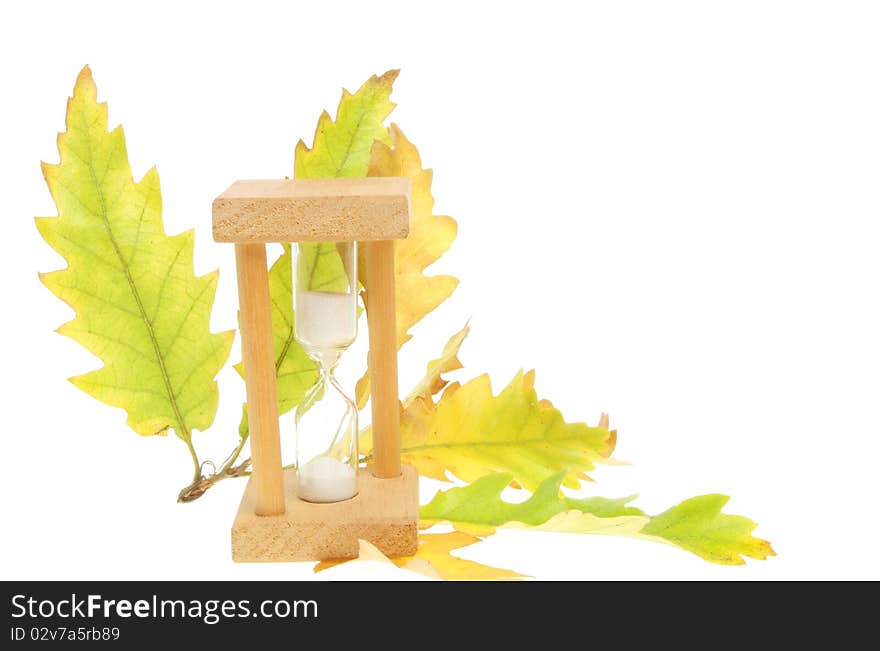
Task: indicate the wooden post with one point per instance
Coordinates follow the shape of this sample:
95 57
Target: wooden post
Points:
259 369
383 358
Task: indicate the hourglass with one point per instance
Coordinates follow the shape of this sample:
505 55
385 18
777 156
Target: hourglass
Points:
320 509
325 323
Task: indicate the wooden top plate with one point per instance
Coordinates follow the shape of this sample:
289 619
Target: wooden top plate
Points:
313 210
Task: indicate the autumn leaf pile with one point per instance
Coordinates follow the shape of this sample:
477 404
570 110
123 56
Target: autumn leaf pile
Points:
142 310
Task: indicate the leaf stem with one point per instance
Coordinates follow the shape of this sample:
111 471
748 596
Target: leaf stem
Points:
197 471
235 454
200 483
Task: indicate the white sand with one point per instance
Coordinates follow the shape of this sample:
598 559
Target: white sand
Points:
326 320
324 479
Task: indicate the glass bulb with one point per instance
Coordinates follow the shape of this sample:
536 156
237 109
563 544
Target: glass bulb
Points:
325 324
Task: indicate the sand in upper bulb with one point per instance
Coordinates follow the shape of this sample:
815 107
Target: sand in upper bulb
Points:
326 320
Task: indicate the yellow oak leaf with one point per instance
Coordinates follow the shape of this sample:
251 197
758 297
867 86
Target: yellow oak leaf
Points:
434 559
433 382
575 521
429 238
470 433
367 551
437 548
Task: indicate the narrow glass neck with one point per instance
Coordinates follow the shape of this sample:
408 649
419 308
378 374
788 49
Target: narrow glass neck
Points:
326 359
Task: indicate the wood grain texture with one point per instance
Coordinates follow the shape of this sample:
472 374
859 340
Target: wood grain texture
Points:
381 315
259 374
385 512
313 210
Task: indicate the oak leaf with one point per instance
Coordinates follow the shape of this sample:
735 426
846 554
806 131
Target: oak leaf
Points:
139 306
430 236
469 433
433 381
696 525
434 559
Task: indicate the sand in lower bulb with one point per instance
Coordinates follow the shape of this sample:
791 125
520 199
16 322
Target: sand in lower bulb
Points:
324 479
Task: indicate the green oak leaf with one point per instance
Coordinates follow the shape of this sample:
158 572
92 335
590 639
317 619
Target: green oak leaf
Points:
342 148
320 268
139 306
699 526
696 525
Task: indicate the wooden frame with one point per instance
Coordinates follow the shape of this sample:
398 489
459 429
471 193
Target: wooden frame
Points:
272 524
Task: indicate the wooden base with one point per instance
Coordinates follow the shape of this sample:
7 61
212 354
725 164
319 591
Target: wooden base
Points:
385 512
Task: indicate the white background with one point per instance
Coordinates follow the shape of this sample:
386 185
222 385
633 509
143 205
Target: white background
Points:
668 209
